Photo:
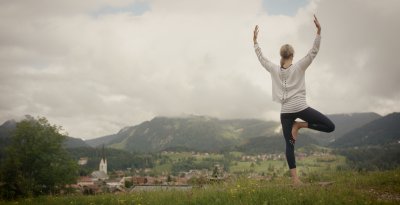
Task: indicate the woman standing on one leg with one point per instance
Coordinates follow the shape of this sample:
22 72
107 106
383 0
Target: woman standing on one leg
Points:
288 88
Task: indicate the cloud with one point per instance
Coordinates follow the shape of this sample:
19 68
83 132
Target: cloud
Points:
97 66
357 56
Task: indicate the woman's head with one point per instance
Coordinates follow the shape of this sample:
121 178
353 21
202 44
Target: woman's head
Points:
286 52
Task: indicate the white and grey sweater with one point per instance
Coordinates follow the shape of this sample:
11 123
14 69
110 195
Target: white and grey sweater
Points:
288 85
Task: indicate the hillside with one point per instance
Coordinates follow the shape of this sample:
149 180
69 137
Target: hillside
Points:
6 130
381 131
200 133
274 144
344 123
71 142
197 133
100 140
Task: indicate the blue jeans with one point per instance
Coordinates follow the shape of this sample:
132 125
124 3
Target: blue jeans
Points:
315 120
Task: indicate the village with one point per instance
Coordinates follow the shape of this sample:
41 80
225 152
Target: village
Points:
100 181
130 180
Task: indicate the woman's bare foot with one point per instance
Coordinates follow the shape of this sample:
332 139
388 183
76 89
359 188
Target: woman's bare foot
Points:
296 127
295 179
295 130
297 182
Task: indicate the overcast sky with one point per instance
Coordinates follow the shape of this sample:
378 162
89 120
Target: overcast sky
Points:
96 66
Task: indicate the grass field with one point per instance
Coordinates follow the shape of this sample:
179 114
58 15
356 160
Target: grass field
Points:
268 167
349 187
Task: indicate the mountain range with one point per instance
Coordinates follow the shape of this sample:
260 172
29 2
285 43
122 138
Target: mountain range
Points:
382 131
344 123
202 133
198 133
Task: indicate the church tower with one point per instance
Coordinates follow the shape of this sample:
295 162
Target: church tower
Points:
103 162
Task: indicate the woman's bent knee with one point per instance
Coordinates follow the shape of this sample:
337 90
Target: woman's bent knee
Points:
331 127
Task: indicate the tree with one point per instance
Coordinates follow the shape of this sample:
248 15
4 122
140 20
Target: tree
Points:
36 162
128 184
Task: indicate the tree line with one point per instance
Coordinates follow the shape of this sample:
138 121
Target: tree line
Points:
372 158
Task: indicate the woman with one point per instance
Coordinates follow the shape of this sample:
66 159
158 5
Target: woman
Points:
288 88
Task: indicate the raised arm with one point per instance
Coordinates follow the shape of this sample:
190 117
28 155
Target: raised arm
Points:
306 61
255 35
264 61
317 25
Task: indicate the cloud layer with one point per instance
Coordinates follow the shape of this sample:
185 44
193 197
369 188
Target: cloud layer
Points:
96 66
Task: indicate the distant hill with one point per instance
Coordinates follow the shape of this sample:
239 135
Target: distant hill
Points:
6 130
274 144
71 142
344 123
197 133
101 140
200 133
384 130
375 157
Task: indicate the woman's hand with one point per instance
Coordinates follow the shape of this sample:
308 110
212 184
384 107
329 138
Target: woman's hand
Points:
317 25
255 34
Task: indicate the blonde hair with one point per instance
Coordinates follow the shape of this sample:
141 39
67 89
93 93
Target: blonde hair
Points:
286 52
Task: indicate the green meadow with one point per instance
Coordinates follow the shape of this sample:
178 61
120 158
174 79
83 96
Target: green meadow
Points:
340 185
348 187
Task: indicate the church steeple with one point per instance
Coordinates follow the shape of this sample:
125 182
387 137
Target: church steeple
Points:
103 155
103 161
